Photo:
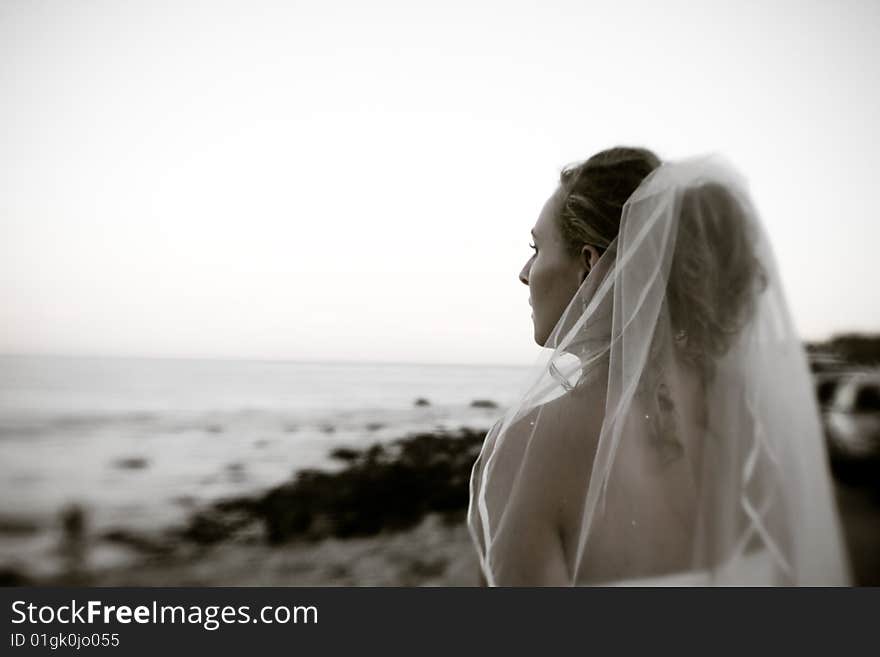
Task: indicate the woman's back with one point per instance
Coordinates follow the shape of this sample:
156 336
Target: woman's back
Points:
540 476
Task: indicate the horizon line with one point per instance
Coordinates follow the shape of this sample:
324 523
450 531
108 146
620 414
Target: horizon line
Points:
301 361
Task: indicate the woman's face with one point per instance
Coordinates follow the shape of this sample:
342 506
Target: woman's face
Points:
552 273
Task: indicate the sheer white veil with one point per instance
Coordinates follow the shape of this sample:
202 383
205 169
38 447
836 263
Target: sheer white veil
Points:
670 425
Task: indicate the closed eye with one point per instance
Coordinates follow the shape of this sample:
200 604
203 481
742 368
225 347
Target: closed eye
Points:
533 247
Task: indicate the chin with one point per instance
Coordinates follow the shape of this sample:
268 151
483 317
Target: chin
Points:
540 337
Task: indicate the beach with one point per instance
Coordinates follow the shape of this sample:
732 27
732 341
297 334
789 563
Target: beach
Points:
132 473
117 470
432 554
391 515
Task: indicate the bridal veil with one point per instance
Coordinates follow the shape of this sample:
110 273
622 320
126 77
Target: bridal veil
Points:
670 424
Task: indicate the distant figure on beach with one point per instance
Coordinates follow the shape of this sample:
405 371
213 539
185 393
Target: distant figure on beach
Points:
669 434
73 544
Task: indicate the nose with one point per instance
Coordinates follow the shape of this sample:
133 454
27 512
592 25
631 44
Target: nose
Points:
524 272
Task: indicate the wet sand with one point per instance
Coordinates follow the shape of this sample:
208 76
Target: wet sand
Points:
432 554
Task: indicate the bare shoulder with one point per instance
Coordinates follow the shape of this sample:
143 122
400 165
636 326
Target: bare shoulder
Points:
560 438
572 421
540 471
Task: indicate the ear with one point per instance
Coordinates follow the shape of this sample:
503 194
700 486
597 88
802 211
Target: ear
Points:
588 258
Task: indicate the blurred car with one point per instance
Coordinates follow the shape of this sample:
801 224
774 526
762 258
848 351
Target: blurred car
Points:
826 385
852 419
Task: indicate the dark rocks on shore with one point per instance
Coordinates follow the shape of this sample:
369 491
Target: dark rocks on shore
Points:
12 577
384 487
220 521
483 403
140 542
421 401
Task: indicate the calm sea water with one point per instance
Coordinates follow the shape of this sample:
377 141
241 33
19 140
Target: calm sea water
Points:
139 442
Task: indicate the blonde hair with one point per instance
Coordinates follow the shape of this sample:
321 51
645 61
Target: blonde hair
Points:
595 192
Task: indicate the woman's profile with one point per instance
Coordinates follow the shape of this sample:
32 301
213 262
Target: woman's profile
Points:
668 434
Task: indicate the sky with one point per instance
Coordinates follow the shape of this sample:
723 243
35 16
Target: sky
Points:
356 181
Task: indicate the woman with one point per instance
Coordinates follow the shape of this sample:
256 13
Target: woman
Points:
669 433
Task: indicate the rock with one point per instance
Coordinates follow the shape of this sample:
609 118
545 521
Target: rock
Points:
483 403
132 463
428 569
236 471
12 577
138 542
14 525
219 522
344 454
381 488
421 401
188 501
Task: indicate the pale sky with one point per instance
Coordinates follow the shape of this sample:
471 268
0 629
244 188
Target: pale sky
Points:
357 180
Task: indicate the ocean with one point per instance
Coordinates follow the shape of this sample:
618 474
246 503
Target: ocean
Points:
138 443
